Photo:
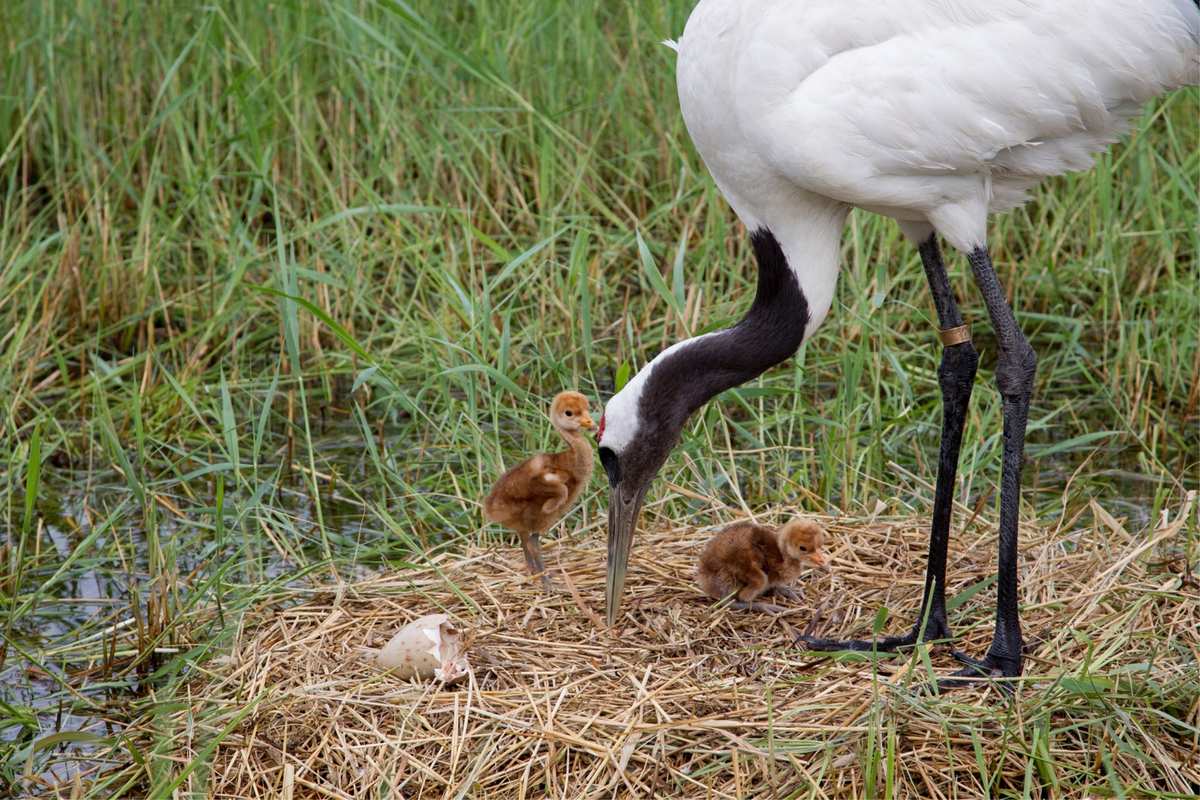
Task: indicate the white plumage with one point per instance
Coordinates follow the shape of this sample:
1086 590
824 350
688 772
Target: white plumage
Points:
934 112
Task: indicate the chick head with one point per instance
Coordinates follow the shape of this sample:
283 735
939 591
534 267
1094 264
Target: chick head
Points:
802 540
569 412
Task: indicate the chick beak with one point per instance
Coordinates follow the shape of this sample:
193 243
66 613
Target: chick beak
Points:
586 422
624 504
819 559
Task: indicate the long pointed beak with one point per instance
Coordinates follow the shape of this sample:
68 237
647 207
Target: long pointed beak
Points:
624 504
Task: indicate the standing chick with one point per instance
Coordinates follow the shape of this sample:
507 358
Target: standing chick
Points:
749 560
537 493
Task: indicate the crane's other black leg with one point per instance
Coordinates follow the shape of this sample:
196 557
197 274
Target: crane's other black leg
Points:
1015 371
956 376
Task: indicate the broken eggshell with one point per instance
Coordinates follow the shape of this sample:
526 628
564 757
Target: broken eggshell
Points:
429 647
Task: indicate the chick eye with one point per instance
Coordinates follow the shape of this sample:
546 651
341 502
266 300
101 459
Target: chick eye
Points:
570 413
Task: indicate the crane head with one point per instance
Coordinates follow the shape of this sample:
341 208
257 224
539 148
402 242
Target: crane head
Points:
639 428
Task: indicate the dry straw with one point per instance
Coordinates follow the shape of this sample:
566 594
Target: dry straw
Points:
684 699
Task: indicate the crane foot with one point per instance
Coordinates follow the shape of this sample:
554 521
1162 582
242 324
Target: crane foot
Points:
982 672
936 630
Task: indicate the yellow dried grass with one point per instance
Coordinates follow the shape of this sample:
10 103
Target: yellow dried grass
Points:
685 699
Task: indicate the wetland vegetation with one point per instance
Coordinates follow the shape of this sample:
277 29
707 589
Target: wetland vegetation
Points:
284 285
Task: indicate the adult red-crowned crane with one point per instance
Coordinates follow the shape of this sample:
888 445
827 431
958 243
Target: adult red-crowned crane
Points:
936 113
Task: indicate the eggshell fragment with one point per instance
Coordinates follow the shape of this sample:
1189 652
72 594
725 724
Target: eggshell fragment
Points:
429 647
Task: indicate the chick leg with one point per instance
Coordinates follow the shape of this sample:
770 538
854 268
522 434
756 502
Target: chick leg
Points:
746 598
533 553
783 591
956 375
530 542
533 559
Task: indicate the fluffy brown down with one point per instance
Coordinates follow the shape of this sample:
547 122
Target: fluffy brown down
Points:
538 492
747 559
535 494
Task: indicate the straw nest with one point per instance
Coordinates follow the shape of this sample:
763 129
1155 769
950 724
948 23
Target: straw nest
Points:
684 699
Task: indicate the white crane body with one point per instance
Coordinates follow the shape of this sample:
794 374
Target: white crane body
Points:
936 113
933 112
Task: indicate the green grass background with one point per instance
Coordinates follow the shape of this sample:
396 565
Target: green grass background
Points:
284 285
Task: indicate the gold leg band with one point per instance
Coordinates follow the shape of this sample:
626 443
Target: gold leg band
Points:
953 336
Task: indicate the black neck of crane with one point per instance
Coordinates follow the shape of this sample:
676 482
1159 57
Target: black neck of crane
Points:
769 333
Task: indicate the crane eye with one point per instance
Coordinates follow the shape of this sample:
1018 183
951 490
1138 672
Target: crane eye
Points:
570 413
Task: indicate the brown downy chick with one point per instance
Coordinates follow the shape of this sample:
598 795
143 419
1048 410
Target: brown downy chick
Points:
537 493
749 560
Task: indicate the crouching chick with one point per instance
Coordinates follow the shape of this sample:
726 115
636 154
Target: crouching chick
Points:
748 560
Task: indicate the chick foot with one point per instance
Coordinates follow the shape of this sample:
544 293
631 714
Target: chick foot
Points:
785 592
766 608
537 568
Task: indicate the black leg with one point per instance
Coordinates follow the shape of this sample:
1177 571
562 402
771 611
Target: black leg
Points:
956 375
1015 371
